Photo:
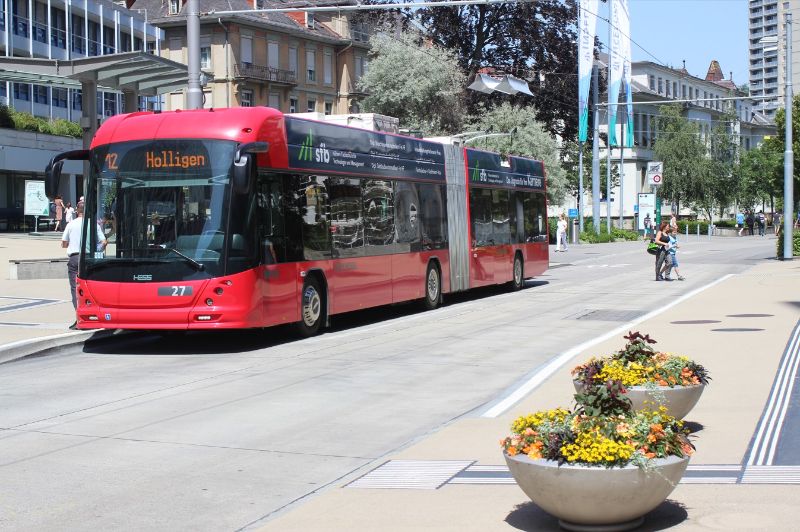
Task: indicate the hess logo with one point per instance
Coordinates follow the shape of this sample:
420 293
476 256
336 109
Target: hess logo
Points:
321 154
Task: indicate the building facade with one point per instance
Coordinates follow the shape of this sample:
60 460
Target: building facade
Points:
296 62
768 59
58 30
652 84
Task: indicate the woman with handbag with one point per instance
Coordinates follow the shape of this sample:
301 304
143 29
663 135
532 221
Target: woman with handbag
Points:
662 240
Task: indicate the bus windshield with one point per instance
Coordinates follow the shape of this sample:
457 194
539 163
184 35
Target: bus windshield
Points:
162 206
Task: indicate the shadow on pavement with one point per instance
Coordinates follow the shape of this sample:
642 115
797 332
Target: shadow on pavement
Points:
246 340
530 517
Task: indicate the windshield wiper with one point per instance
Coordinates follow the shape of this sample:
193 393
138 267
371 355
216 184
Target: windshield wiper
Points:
198 266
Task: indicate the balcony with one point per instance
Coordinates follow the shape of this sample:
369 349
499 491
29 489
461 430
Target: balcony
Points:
263 73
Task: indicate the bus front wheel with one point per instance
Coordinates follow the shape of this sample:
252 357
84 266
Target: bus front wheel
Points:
312 311
433 287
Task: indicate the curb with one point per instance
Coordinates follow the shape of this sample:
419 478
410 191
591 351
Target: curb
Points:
34 346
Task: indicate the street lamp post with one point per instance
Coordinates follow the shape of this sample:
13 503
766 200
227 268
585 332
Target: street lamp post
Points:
788 154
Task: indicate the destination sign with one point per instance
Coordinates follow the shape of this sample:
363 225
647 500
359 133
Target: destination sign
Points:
158 159
486 168
334 148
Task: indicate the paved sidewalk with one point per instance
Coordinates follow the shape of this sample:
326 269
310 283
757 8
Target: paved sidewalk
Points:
744 324
32 308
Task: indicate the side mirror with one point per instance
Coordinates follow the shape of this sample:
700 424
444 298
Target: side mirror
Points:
52 174
242 165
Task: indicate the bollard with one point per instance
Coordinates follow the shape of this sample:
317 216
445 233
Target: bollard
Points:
710 230
698 230
575 231
687 229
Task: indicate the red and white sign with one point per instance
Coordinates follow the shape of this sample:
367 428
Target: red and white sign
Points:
655 173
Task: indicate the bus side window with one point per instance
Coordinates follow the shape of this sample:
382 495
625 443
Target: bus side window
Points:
406 215
312 197
480 209
433 215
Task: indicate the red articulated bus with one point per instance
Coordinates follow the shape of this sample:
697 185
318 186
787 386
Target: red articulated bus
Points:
246 217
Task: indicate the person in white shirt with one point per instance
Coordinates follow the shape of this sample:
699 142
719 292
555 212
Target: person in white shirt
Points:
71 241
561 233
69 213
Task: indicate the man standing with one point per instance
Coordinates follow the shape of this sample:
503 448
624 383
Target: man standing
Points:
71 241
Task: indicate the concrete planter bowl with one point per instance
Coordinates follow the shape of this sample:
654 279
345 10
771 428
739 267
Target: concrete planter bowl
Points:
586 497
679 400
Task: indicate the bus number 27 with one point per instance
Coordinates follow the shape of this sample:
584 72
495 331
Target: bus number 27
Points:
175 291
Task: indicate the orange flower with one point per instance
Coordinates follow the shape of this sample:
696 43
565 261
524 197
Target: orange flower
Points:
687 449
512 451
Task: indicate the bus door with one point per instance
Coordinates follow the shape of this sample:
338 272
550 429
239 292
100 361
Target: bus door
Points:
482 248
278 221
502 236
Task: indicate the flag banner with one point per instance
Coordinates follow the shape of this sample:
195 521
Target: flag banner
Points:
625 25
618 54
587 24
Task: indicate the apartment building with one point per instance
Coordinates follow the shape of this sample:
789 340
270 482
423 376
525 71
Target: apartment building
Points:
296 61
65 30
768 58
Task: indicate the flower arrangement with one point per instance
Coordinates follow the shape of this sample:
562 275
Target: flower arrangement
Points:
639 364
602 430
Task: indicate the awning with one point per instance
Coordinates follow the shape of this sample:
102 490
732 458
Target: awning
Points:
139 72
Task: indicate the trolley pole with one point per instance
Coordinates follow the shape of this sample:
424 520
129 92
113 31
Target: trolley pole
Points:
788 155
194 95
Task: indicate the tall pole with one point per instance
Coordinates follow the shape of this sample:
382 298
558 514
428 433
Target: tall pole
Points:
788 155
194 96
580 187
608 172
595 153
621 174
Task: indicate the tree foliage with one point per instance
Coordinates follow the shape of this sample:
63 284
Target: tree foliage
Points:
679 146
571 169
529 139
720 184
760 174
531 40
780 122
417 83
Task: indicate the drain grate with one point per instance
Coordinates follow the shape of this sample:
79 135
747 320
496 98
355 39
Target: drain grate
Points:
411 474
694 322
608 315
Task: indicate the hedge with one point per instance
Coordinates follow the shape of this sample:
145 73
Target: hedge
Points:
795 245
11 118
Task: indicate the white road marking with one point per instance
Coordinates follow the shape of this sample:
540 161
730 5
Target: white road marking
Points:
556 363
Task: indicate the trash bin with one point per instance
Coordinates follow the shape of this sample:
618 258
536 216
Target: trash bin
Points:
575 231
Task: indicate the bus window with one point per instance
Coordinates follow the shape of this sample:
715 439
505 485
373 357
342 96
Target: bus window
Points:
347 225
480 210
516 213
406 216
433 214
535 225
314 213
378 206
501 227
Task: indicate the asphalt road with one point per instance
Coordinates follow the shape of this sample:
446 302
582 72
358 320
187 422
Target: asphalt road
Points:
220 431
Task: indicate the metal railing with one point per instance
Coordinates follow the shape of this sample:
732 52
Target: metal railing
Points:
20 26
58 37
79 44
263 73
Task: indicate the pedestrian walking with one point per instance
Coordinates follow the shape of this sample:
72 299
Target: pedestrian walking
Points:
561 233
71 241
648 225
761 220
776 223
69 213
740 222
673 221
671 261
59 212
750 221
662 239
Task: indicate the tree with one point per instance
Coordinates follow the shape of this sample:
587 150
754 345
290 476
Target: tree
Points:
780 122
570 164
720 185
529 138
679 147
531 40
419 84
760 174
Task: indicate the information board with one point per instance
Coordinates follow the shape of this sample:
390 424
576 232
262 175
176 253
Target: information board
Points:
36 202
647 211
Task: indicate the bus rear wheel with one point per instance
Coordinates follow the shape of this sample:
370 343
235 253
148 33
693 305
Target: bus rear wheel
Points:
518 274
312 311
433 287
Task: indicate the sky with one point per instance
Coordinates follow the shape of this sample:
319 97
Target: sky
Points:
698 31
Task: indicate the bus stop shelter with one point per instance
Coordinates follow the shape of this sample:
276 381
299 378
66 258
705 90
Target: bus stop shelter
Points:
133 73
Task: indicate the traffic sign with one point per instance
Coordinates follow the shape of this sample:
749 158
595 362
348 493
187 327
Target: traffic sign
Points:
572 213
655 173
